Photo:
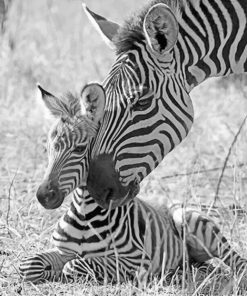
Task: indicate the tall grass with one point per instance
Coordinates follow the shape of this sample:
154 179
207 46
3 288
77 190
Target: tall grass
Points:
52 42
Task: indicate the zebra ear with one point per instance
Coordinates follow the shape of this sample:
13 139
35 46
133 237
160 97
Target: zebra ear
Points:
161 28
106 28
53 104
93 101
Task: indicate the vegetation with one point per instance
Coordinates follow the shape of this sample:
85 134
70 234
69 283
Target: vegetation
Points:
52 42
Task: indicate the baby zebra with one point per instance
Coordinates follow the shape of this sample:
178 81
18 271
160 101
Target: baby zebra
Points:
135 241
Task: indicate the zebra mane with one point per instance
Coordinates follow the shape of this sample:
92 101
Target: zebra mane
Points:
72 113
132 29
70 104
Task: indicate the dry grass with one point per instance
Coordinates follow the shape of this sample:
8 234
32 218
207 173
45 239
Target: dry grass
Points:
52 42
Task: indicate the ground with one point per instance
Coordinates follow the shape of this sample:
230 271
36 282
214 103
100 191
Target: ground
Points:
52 42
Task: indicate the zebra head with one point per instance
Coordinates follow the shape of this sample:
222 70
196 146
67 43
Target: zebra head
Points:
68 142
148 110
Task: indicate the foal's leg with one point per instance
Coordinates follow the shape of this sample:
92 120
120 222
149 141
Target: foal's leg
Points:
106 269
204 239
45 266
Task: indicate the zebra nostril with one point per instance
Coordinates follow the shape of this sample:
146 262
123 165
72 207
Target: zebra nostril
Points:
50 186
52 193
50 196
136 182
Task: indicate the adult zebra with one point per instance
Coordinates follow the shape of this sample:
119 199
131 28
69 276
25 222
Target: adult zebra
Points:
163 52
136 240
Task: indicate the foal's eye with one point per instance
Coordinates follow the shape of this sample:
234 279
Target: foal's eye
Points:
56 147
53 134
79 149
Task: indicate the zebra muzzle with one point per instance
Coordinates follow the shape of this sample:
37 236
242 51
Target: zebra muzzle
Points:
49 195
105 185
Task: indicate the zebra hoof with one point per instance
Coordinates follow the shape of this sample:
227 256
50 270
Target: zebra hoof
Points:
71 272
78 269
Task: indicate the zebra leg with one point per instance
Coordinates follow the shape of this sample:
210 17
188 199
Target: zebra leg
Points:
81 268
204 239
45 266
98 269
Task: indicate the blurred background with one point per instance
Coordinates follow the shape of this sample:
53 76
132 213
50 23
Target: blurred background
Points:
53 43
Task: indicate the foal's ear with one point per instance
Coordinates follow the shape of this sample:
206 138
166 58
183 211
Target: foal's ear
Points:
161 28
53 104
106 28
93 101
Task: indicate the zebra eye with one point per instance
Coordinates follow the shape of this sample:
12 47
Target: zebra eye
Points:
145 91
53 134
56 147
79 149
132 100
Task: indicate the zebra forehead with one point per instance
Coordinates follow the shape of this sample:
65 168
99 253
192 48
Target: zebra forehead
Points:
72 120
132 29
70 127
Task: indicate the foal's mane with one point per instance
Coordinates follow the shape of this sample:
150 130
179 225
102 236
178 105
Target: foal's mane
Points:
70 104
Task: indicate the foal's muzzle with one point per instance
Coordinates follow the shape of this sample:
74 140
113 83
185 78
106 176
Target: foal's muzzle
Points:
49 195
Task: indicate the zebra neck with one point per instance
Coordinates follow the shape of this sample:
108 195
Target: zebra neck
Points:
83 204
212 39
86 208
